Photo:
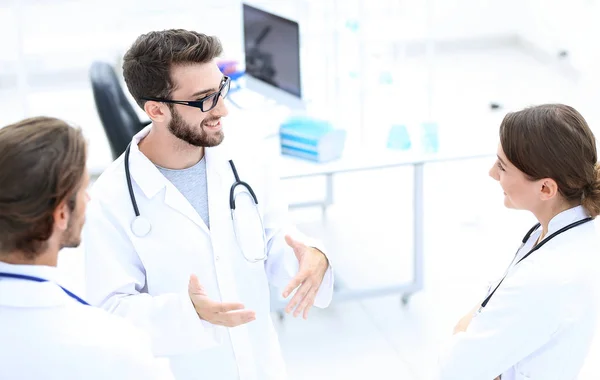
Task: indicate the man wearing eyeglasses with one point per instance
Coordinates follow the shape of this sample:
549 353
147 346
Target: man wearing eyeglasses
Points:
183 235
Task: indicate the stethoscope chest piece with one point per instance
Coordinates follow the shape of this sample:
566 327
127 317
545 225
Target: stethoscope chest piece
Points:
248 239
140 226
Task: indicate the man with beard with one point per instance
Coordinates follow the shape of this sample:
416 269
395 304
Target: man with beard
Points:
184 235
46 331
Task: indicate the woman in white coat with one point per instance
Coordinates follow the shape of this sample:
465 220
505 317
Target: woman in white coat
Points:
538 320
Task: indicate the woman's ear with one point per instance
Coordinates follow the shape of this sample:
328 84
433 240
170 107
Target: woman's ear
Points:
549 189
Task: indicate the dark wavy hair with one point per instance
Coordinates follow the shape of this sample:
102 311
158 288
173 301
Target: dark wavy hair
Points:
42 163
148 62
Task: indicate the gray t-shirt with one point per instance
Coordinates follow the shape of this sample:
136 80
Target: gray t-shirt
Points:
191 182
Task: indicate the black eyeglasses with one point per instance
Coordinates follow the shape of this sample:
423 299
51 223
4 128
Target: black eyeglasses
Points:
205 104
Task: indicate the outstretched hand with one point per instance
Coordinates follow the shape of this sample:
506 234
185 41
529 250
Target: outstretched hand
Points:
312 268
229 314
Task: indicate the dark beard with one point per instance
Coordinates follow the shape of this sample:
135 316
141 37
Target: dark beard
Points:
196 137
71 237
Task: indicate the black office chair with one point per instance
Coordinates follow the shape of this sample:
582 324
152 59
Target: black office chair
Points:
117 115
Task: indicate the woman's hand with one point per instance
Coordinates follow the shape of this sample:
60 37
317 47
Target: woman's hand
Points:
465 321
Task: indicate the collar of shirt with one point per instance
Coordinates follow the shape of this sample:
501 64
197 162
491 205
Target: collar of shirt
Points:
23 293
565 218
559 221
42 271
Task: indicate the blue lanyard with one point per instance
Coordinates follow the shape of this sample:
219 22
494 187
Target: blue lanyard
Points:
39 279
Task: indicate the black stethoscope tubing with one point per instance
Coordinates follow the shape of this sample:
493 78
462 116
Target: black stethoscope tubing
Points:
535 248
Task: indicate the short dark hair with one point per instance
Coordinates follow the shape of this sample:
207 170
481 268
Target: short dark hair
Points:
148 62
554 141
42 163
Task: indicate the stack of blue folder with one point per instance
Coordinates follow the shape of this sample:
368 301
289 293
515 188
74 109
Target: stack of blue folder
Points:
311 139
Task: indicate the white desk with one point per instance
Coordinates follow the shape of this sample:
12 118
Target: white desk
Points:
371 159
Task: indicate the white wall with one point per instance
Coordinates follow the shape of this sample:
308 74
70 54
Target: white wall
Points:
464 19
549 24
555 25
570 25
65 35
407 20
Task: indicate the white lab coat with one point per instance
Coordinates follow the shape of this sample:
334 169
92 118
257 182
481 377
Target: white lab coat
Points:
540 322
46 334
146 279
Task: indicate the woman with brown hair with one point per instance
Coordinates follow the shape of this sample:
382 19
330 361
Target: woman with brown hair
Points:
538 320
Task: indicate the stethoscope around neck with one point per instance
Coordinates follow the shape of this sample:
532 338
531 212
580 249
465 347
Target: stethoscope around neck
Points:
141 226
535 248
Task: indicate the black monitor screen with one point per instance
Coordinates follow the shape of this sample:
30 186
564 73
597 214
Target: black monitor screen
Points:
272 49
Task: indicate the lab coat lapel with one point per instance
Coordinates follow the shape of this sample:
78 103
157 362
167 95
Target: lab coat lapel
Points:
22 293
151 180
176 200
218 193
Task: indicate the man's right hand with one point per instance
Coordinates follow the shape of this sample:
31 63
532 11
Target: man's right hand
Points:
227 314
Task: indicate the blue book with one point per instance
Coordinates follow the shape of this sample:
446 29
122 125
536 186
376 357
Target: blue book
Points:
311 139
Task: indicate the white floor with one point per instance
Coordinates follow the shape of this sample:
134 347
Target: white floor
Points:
469 235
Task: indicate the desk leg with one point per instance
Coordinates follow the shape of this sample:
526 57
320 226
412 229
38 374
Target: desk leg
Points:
418 226
329 192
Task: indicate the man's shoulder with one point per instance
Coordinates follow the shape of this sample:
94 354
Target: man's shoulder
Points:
118 344
111 183
111 330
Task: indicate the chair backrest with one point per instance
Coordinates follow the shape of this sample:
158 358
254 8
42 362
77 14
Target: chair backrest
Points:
117 115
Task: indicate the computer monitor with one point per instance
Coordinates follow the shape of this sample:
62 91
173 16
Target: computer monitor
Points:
272 56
